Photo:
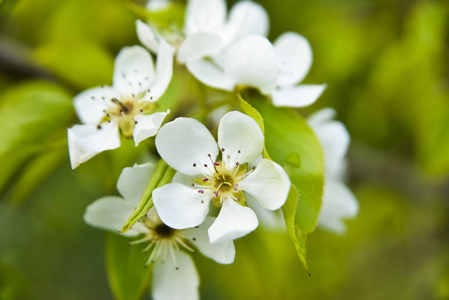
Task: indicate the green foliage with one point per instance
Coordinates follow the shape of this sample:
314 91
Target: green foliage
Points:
162 175
289 148
128 275
33 118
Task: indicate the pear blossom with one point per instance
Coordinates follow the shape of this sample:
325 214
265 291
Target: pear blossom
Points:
338 200
207 28
174 273
126 106
227 176
274 69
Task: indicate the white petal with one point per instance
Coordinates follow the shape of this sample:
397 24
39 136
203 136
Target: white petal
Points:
175 281
334 139
204 16
294 56
252 61
245 18
111 213
133 181
90 104
164 70
233 221
338 203
85 141
297 96
223 253
199 45
155 5
147 36
239 132
269 184
211 74
147 125
322 116
272 220
179 206
133 65
185 142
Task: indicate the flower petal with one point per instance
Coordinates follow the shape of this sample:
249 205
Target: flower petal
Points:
133 181
294 57
338 203
268 184
204 16
147 36
334 139
184 142
85 141
133 65
252 61
111 213
245 18
147 125
297 96
90 104
181 207
164 70
233 221
272 220
155 5
223 253
211 74
241 138
199 45
175 281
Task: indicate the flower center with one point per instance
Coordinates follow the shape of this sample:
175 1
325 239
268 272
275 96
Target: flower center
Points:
163 231
162 241
223 180
123 112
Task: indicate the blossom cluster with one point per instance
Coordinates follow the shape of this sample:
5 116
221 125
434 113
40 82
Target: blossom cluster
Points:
222 187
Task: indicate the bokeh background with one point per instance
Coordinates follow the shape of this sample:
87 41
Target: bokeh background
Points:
386 66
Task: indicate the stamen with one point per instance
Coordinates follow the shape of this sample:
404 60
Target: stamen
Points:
116 101
145 239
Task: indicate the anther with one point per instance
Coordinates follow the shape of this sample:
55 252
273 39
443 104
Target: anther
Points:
205 179
222 149
229 156
98 127
177 268
205 165
141 110
194 165
135 122
235 187
216 163
216 194
201 191
237 164
194 239
202 202
238 151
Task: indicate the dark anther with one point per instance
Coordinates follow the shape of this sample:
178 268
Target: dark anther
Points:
98 127
194 239
135 122
141 110
205 165
194 165
222 149
238 151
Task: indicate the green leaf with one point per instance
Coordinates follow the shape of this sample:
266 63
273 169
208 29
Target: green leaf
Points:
128 276
32 116
298 238
162 175
35 172
82 63
292 143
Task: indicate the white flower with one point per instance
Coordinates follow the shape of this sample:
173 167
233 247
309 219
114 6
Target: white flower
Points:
207 30
338 200
273 69
174 274
126 105
228 180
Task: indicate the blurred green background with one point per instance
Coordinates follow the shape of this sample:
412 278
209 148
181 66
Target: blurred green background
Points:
386 66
